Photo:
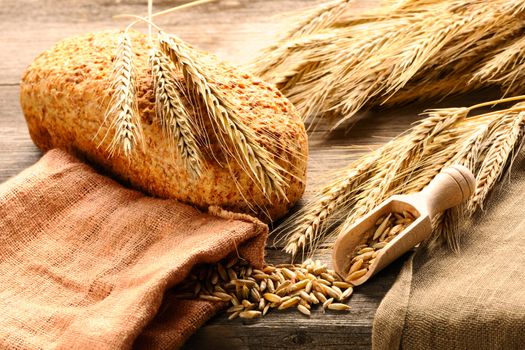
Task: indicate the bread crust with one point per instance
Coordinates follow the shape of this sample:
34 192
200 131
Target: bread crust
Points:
65 93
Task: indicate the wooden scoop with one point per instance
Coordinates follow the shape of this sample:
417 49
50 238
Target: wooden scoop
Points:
448 189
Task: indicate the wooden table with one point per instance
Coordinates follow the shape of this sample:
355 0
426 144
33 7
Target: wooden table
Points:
235 30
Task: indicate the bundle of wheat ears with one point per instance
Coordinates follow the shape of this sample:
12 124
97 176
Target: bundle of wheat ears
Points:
238 142
334 63
485 143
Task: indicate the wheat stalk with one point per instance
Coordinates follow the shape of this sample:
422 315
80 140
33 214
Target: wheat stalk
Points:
474 46
428 89
321 18
230 130
485 143
123 110
173 115
330 79
405 56
506 67
514 81
446 225
464 72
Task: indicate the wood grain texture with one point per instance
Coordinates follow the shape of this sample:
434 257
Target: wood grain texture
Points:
235 30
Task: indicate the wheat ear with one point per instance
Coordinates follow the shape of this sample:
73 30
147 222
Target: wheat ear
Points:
309 225
123 110
365 183
313 21
321 18
174 117
503 143
231 132
414 48
506 67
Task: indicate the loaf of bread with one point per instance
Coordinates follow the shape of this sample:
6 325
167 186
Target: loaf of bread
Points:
65 94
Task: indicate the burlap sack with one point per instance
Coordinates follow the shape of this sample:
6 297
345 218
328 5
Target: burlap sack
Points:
86 263
472 300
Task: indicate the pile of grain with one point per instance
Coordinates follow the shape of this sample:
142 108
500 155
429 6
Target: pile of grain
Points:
252 292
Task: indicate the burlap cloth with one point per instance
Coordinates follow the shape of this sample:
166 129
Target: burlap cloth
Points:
472 300
88 264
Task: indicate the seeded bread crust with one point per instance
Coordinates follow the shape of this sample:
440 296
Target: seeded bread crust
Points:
65 93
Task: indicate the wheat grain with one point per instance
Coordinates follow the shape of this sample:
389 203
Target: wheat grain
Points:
230 131
174 116
338 307
373 241
123 111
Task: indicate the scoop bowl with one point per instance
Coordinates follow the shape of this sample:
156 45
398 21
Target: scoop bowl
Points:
448 189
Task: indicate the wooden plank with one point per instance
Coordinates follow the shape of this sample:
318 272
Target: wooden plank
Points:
17 151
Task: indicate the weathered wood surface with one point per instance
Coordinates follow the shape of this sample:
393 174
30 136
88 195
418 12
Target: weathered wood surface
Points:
234 30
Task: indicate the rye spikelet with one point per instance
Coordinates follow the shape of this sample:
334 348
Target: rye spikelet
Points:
233 135
485 143
173 115
122 113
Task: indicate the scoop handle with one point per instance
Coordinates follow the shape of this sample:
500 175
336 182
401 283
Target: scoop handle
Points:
449 188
